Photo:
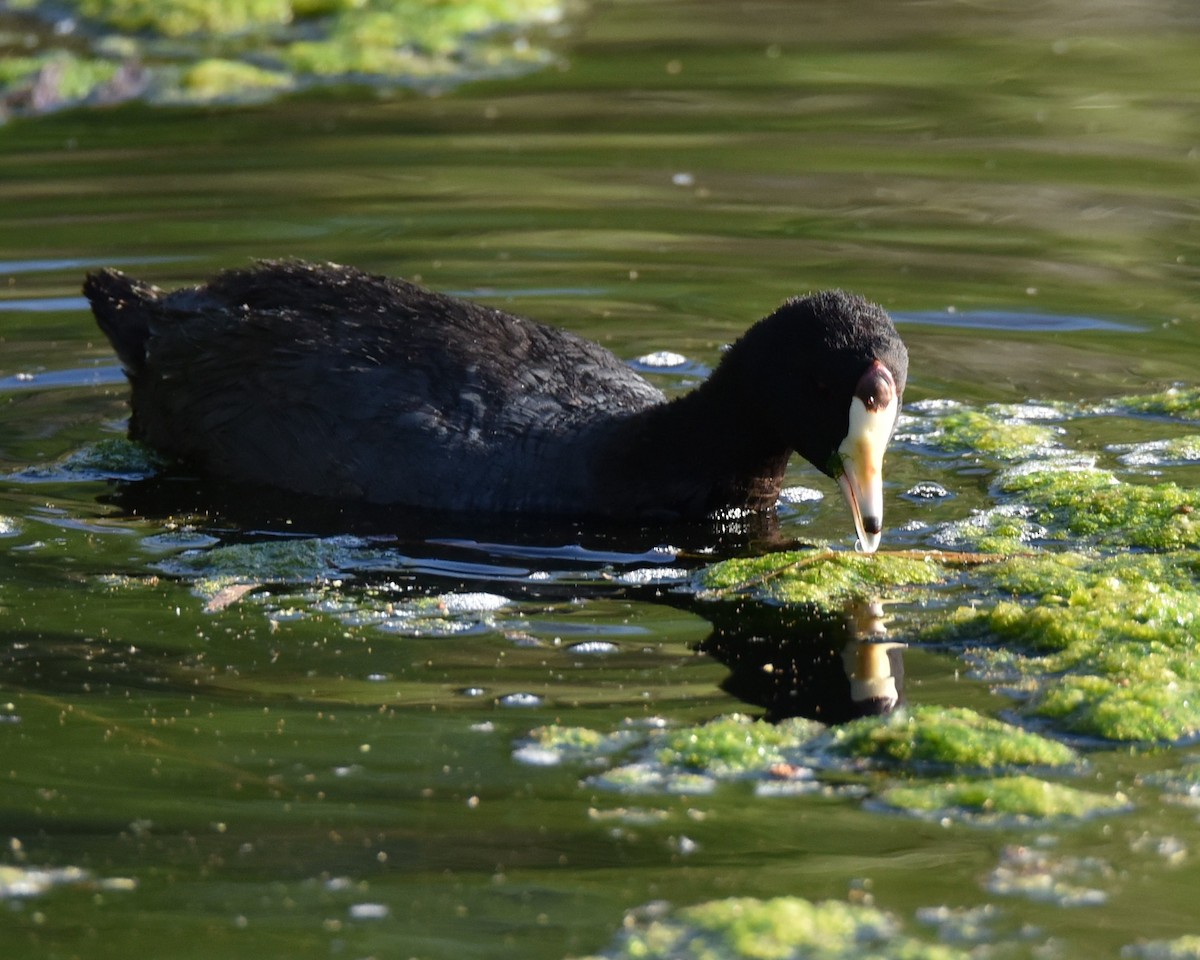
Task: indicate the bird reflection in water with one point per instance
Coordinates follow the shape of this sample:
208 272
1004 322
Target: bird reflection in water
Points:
830 666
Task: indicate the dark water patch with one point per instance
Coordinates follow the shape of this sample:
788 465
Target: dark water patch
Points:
177 493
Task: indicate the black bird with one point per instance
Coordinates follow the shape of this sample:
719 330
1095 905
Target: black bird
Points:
325 380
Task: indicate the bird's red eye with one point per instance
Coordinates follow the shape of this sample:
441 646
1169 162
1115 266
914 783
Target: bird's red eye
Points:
876 388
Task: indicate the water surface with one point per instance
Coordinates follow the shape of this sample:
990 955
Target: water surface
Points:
323 767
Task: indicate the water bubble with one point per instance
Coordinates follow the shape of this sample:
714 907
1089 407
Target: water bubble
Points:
662 359
520 700
369 911
593 647
535 756
927 490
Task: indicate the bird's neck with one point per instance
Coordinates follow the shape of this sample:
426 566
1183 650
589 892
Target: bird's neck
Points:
707 450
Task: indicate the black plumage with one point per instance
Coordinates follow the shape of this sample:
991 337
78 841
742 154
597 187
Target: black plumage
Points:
329 381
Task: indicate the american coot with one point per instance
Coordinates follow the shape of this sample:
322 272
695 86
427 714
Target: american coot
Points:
326 380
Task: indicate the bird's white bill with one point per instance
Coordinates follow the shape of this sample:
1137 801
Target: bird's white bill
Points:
861 478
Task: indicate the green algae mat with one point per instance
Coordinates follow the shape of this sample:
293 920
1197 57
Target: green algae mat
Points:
240 51
1080 581
1074 594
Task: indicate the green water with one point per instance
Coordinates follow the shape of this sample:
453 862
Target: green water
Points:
306 773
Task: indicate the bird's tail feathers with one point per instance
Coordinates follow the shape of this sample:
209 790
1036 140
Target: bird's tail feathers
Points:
123 308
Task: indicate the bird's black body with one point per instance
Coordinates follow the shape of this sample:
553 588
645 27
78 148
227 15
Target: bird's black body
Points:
328 381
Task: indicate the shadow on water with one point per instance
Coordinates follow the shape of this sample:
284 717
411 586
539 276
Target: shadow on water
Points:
239 512
796 661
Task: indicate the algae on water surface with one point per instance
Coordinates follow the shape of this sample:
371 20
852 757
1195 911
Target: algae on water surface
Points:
1103 646
946 736
171 51
1002 798
667 759
1084 600
823 578
746 928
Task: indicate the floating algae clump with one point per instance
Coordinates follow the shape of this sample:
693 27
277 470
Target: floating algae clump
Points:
997 530
555 742
420 39
820 577
1162 709
1004 438
219 79
1108 645
1179 402
1001 798
114 458
745 928
650 778
1160 453
945 736
177 18
1181 948
433 25
1084 501
735 745
56 74
694 759
172 51
269 561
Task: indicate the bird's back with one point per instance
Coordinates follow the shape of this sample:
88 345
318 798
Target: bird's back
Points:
326 380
